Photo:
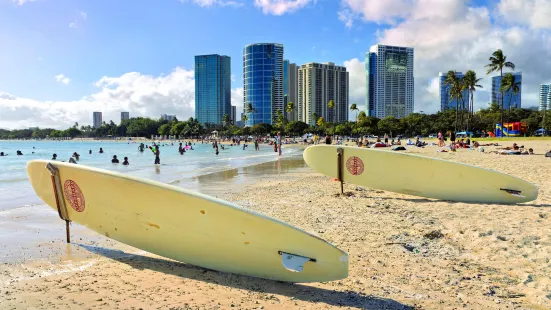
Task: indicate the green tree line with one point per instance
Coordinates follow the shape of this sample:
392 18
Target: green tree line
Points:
414 124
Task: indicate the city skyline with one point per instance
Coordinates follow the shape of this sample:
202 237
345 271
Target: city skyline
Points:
82 57
545 97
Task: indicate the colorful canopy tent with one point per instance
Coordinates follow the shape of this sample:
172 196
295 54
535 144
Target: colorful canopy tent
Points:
515 129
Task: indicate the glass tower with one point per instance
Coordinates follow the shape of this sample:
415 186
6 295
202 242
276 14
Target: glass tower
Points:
212 88
263 81
509 98
389 81
446 102
545 97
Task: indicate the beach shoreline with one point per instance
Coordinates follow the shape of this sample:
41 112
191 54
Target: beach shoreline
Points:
405 251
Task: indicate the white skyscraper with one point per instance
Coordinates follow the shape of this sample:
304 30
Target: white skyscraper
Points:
124 116
97 119
545 97
317 85
389 81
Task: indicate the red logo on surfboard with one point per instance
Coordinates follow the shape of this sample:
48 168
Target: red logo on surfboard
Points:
74 195
355 165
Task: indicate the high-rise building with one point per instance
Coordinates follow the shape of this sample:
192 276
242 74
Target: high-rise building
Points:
509 98
445 98
233 114
290 84
124 116
389 81
168 117
97 119
263 81
545 97
212 88
317 85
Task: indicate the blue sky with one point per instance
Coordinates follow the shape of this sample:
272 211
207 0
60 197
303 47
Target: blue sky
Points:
85 41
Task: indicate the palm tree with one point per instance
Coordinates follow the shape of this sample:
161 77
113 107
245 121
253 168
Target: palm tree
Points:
471 83
498 61
331 106
290 108
249 109
456 87
244 118
354 107
280 120
315 117
509 84
225 119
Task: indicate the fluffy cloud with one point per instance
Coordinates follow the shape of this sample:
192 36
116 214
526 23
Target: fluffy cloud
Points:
62 79
450 35
141 95
535 13
280 7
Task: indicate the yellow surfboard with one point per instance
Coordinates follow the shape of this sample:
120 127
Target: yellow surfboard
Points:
418 175
184 225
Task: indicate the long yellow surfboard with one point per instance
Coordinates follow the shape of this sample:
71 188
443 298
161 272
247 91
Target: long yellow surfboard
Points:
419 175
184 225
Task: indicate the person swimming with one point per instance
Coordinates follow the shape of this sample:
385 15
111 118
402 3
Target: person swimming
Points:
54 157
90 152
101 150
125 162
115 160
2 154
19 152
76 155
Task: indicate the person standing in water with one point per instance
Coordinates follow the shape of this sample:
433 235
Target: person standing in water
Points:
157 155
125 162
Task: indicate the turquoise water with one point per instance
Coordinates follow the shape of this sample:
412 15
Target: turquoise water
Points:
176 169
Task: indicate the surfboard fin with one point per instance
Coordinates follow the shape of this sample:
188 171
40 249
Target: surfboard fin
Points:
513 192
294 263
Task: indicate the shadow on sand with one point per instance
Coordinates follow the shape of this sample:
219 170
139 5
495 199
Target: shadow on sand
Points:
298 291
425 200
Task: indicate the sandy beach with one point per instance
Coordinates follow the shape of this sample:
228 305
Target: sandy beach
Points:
405 252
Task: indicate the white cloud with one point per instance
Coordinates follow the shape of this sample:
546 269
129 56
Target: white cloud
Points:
450 35
142 95
209 3
62 79
21 2
84 15
72 25
535 13
280 7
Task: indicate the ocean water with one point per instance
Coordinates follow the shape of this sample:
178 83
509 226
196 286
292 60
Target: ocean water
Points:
176 169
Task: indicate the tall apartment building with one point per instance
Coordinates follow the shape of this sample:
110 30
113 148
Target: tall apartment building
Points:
263 81
97 119
168 117
545 97
212 88
509 98
445 99
290 84
125 116
389 81
233 114
317 85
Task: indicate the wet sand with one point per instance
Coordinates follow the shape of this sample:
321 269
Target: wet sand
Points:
405 251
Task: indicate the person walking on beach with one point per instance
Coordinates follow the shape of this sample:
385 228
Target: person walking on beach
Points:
440 139
386 139
279 143
452 137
